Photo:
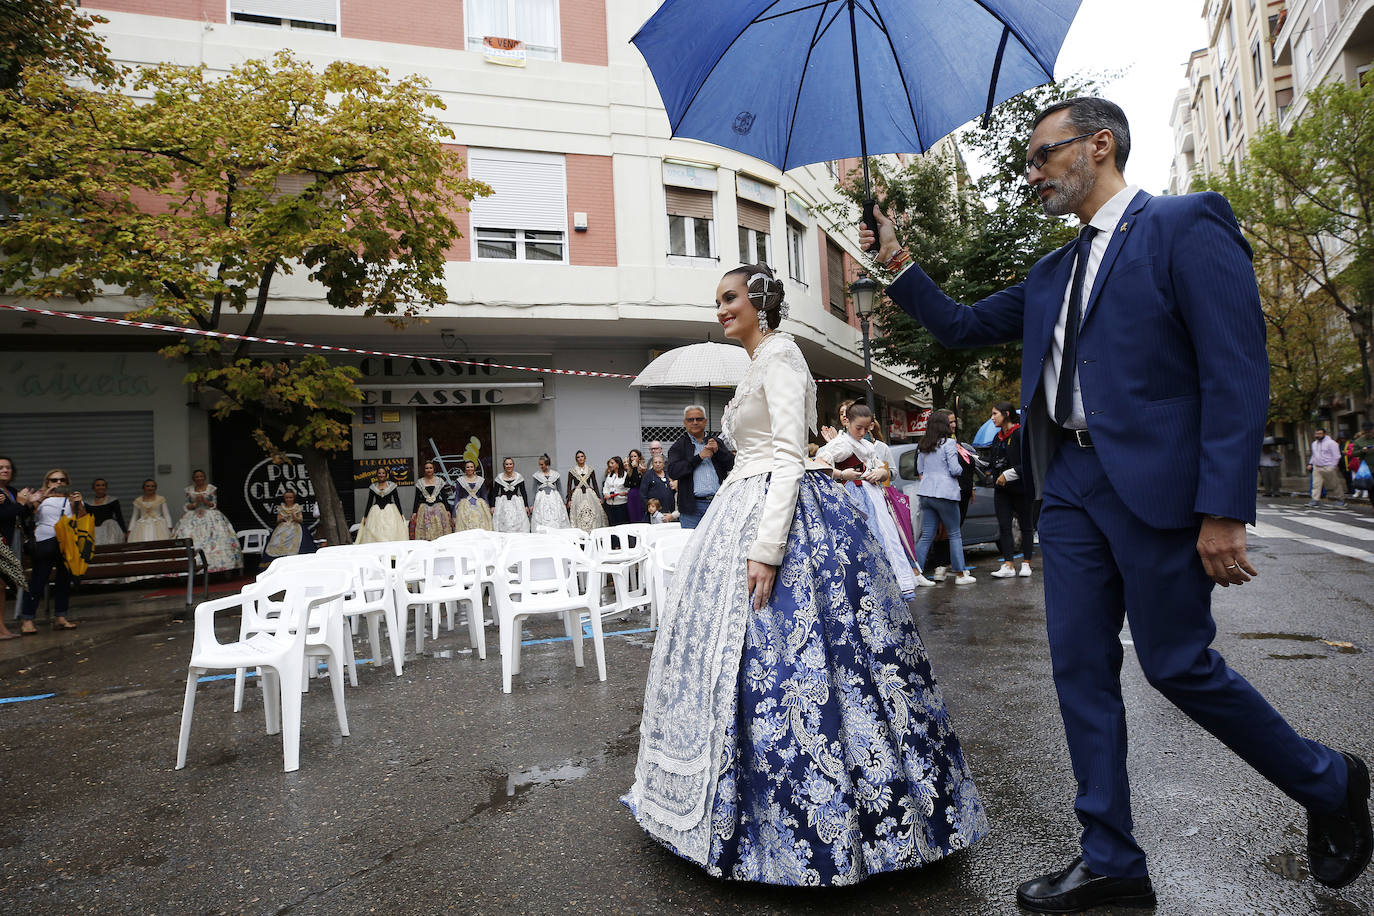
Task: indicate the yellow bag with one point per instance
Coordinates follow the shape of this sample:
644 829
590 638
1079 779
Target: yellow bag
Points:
76 541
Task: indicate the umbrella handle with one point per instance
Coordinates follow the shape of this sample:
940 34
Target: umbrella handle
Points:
871 222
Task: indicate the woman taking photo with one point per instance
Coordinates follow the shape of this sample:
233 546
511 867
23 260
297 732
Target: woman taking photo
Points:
1009 496
49 504
792 732
616 491
937 461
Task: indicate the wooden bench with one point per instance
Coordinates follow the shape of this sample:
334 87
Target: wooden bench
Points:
146 558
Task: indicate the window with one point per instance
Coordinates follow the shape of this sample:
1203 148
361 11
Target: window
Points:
1226 124
796 257
1225 38
535 22
691 222
834 268
755 244
526 217
1257 62
1302 59
309 15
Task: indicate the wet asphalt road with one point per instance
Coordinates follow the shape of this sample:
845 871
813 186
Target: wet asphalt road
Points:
452 797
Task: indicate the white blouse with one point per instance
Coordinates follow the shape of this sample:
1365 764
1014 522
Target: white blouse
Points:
613 488
767 422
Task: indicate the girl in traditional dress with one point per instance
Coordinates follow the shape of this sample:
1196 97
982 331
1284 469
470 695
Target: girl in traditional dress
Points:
584 499
207 527
852 458
470 508
549 509
152 521
510 502
635 469
291 536
897 502
382 518
430 511
617 493
109 519
793 733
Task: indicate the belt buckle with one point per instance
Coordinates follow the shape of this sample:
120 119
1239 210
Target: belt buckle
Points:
1081 438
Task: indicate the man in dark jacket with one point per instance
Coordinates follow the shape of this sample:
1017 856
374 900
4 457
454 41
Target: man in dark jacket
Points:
699 462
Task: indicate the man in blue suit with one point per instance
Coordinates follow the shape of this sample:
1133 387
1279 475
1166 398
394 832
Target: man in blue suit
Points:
1144 385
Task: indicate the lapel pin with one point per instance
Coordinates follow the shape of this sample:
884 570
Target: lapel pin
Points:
1124 226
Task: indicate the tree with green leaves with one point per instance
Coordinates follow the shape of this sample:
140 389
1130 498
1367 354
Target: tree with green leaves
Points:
192 193
54 35
1305 200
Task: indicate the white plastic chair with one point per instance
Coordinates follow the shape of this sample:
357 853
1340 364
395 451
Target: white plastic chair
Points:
253 540
619 552
664 554
443 575
539 576
653 533
280 654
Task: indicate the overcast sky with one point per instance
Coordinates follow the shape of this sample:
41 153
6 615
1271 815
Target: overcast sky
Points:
1151 41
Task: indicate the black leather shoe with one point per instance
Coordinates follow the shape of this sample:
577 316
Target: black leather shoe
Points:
1075 889
1339 842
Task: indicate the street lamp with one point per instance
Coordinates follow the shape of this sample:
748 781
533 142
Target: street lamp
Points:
864 290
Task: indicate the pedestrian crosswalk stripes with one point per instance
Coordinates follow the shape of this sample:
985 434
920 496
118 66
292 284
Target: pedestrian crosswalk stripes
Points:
1312 520
1316 529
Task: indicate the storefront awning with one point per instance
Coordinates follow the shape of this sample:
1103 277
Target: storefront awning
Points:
452 394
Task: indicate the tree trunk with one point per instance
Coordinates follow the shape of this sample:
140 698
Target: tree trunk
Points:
333 522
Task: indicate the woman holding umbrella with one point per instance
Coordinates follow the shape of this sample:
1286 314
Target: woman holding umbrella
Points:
769 751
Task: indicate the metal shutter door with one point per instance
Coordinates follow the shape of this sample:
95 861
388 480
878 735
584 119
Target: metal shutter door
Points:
115 445
660 410
529 190
690 202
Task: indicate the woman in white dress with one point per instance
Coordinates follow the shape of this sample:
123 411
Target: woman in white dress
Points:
152 520
108 516
854 462
430 513
793 733
382 518
584 499
207 527
549 509
470 507
510 502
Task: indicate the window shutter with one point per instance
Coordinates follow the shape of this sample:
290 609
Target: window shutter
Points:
660 412
304 10
529 190
754 216
834 264
690 202
124 456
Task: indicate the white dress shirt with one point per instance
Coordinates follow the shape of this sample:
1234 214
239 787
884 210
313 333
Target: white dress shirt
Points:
1104 221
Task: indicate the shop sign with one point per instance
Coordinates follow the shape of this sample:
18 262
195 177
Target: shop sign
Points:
916 422
377 367
398 468
452 395
508 52
268 480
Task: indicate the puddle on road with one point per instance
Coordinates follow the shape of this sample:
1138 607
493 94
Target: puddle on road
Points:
524 780
1341 646
1296 655
1287 865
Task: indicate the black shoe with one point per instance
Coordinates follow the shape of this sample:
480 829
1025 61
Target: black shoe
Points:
1338 843
1075 889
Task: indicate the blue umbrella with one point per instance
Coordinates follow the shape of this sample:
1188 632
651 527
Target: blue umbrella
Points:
986 433
793 82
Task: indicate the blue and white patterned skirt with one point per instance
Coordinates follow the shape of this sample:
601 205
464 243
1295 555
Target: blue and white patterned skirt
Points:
806 743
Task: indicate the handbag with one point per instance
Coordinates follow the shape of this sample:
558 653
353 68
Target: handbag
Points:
76 541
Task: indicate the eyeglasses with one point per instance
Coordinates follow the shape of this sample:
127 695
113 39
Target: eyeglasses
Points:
1042 155
696 419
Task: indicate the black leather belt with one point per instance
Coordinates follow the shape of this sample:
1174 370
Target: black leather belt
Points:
1079 437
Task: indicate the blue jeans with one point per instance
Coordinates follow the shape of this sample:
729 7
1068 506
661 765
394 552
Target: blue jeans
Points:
692 519
934 511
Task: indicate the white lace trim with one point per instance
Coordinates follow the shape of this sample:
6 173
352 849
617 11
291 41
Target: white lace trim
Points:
752 382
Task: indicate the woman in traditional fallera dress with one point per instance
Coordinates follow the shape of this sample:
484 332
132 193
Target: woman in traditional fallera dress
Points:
430 511
291 535
853 460
510 502
152 520
382 518
549 509
109 518
584 499
793 733
207 527
470 507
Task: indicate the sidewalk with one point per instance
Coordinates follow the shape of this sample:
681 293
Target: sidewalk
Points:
104 613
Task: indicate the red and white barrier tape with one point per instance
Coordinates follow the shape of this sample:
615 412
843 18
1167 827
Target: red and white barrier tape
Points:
227 335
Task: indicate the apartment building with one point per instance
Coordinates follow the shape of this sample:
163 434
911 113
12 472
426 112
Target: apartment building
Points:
601 247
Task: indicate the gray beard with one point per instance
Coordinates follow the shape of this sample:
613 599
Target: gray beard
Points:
1072 188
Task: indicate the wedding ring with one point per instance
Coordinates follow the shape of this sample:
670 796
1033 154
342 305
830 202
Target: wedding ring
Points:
1234 566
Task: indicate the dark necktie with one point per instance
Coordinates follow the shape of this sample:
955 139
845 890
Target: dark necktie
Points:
1063 399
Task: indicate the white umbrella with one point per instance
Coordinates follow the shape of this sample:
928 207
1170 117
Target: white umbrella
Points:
699 365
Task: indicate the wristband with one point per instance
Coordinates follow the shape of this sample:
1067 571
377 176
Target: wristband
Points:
897 261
